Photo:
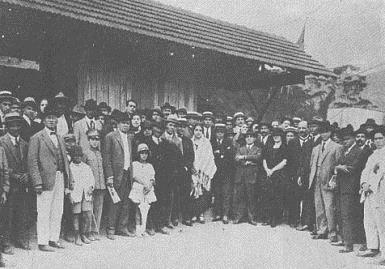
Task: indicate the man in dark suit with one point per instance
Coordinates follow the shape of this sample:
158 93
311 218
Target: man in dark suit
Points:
348 198
48 168
247 159
29 126
16 150
186 171
299 150
222 182
117 162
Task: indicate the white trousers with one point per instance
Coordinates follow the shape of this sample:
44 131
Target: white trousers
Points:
374 223
50 212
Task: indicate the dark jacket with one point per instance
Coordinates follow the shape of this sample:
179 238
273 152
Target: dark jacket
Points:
247 170
27 131
299 159
224 156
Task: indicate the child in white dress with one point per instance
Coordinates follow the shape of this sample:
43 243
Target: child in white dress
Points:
142 191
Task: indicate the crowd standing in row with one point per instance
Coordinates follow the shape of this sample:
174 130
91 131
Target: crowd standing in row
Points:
147 171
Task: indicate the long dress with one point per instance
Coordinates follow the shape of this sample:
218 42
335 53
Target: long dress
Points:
204 164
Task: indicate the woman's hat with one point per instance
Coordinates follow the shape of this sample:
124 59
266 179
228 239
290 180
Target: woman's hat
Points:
277 132
91 104
142 147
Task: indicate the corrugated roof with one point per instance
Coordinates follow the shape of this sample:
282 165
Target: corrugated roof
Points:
161 21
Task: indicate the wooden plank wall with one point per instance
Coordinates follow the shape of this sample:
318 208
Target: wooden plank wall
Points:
105 77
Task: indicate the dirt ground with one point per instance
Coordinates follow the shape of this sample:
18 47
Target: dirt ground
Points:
212 245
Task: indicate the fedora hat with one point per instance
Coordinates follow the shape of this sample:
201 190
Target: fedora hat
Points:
90 104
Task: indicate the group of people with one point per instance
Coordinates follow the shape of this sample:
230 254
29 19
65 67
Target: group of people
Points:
148 170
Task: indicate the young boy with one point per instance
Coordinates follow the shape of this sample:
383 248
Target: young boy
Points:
247 161
93 158
81 196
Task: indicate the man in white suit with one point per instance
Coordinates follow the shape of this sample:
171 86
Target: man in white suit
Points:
324 158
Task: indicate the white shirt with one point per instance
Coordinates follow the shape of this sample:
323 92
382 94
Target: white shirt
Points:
28 120
53 137
207 131
62 126
14 139
156 140
83 181
126 149
89 122
303 140
264 139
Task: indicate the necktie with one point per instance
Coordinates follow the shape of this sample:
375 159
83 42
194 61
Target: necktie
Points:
92 124
207 133
323 146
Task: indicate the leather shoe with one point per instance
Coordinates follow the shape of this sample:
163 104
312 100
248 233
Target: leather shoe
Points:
337 244
225 220
163 231
201 220
45 248
175 223
111 236
333 239
55 245
253 222
23 245
125 233
313 233
346 250
188 223
217 218
368 253
150 232
319 236
302 228
85 240
8 250
170 226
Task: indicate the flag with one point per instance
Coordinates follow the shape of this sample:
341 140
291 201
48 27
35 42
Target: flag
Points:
301 39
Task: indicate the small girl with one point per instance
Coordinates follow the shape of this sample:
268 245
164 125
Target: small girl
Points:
142 192
81 196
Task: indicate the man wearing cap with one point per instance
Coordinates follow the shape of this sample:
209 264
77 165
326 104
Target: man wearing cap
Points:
323 161
181 113
6 100
250 121
29 126
117 163
167 110
104 109
348 173
222 182
62 105
81 127
208 126
16 150
229 123
48 168
239 120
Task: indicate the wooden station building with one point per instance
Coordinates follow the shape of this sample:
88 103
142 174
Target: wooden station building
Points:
114 50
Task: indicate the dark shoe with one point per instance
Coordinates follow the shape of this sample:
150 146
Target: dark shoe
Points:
125 233
253 222
225 220
319 236
302 228
23 245
273 223
346 250
150 232
201 220
91 237
111 236
188 223
337 244
313 233
69 238
363 247
368 253
55 245
175 223
163 231
85 240
217 218
8 250
45 248
333 239
170 226
236 221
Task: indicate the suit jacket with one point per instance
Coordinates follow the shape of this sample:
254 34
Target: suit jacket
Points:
113 157
4 177
247 170
224 156
328 159
188 155
17 162
299 159
27 131
42 165
212 133
80 131
349 183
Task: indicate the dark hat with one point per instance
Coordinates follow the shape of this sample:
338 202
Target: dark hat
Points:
122 117
61 97
347 132
12 117
103 105
76 151
264 123
168 106
50 110
370 123
182 110
147 124
29 101
91 104
316 120
379 129
361 131
250 132
7 95
157 125
157 110
325 127
115 114
277 132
